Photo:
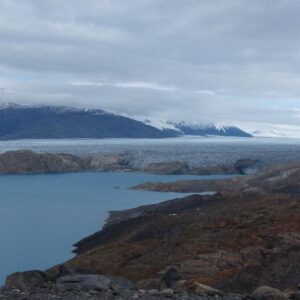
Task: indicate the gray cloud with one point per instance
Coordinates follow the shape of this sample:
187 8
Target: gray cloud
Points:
232 61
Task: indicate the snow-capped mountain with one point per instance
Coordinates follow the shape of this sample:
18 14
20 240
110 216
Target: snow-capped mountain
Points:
40 121
198 129
210 129
43 122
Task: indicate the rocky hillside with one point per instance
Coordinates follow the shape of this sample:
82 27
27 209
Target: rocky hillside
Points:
281 178
246 236
45 122
233 242
26 161
241 166
30 162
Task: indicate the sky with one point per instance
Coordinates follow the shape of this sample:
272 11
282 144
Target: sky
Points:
230 61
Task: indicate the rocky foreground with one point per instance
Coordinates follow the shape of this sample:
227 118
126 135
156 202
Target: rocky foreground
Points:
241 243
37 285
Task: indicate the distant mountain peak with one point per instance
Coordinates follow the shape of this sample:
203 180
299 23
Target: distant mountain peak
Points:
208 129
196 129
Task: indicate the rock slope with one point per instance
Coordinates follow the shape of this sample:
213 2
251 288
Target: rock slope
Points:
231 241
245 236
278 178
241 166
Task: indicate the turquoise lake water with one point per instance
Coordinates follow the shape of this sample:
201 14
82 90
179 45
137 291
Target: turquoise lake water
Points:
42 216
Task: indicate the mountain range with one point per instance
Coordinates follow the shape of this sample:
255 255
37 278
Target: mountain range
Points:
46 122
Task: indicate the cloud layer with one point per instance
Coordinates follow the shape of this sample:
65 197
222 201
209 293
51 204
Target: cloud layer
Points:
232 61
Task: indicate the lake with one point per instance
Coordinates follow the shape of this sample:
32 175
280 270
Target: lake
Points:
41 216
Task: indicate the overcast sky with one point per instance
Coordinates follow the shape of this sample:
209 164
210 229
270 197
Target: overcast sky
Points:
231 61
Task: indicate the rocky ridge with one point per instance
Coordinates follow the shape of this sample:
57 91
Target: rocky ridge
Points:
280 178
26 161
228 241
245 236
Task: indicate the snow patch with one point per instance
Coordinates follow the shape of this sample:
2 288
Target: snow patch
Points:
159 124
194 125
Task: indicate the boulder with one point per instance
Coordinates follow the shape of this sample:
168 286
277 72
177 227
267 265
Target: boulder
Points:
153 292
83 282
246 165
294 296
167 292
205 290
268 293
26 280
170 276
118 284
